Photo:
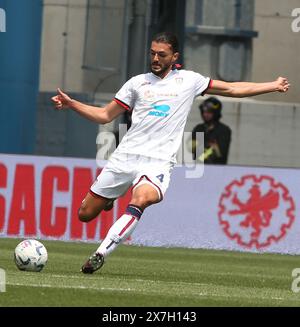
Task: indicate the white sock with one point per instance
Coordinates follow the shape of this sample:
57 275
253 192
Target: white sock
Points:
118 233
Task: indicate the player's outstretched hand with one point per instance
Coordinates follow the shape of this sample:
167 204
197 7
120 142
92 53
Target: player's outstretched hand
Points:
61 100
282 84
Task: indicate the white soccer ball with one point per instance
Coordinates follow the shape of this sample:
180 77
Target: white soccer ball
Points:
31 255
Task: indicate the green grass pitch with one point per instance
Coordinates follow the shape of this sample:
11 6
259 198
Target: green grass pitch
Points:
145 276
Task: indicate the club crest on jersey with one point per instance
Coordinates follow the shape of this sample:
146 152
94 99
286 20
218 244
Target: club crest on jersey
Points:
149 95
159 110
178 80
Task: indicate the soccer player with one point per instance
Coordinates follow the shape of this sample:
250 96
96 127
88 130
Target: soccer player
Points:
160 102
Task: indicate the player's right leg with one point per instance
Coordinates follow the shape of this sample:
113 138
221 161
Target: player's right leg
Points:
113 181
109 185
91 206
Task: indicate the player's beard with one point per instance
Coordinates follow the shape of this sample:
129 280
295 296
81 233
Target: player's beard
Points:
161 71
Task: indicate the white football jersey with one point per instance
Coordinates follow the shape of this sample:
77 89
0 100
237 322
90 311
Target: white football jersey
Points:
159 111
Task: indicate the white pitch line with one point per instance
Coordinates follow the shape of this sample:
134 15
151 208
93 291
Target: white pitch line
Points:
89 287
70 286
99 278
200 294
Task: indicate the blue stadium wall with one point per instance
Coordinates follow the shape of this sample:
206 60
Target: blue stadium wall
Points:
19 74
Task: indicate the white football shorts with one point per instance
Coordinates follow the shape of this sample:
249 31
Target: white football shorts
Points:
124 170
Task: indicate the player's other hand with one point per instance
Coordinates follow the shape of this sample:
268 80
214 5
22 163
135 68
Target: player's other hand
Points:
61 100
282 84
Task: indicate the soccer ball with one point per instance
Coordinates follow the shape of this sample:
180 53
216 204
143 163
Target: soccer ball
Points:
31 255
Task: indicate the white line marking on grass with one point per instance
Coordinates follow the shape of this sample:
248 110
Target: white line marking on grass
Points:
200 294
72 287
149 281
101 277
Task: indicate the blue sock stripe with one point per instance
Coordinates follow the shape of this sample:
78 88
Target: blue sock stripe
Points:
134 211
136 207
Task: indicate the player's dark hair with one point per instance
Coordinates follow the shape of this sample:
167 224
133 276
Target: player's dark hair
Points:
167 37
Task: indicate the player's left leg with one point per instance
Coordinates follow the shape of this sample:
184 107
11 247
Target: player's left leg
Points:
143 196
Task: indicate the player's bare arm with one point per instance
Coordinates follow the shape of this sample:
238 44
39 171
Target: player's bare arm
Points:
245 89
96 114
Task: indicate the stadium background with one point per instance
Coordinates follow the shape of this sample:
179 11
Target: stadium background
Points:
89 48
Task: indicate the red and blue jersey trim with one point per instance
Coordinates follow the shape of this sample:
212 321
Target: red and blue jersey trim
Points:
208 87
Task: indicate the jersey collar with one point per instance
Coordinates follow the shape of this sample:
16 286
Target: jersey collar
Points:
170 73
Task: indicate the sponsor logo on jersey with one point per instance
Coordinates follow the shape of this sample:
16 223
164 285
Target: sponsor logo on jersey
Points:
160 110
151 96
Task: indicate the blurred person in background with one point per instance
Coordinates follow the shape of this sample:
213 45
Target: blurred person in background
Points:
217 136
